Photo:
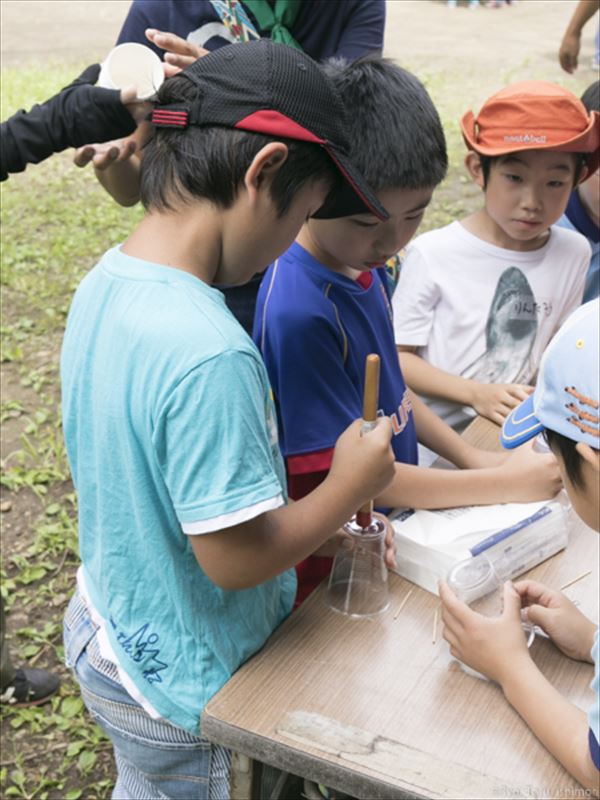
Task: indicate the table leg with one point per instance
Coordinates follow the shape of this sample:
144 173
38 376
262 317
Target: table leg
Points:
242 772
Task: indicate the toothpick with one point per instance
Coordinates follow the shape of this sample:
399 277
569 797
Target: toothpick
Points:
403 603
576 580
435 622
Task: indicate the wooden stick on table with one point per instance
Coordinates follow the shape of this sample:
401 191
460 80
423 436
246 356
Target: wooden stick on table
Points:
370 403
576 580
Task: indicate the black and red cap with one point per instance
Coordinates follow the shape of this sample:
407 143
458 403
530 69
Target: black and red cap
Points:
270 88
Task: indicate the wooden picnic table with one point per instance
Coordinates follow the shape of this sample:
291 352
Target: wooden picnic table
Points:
378 708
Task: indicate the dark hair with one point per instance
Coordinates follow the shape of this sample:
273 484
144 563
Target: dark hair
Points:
565 448
396 137
210 163
487 161
591 97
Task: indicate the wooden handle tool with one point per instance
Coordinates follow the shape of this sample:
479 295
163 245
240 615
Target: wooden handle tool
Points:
370 403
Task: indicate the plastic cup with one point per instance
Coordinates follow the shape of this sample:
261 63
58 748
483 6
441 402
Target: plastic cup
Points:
358 585
476 583
132 64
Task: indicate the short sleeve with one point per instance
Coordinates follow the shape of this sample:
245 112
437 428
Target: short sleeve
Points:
144 14
577 288
414 301
594 711
216 440
316 398
363 31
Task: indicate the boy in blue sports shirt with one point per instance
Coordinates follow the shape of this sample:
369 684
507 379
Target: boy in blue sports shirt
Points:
564 407
583 209
186 541
324 306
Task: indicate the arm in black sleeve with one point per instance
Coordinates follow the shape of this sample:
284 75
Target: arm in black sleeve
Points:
79 114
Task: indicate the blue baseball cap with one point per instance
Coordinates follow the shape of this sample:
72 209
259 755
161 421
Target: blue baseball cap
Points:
567 392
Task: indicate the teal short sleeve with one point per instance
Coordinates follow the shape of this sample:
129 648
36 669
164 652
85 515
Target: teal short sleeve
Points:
216 439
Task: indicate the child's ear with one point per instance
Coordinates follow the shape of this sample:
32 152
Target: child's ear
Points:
583 175
589 454
474 168
265 165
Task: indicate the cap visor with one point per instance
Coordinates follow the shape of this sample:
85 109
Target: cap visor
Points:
353 197
520 425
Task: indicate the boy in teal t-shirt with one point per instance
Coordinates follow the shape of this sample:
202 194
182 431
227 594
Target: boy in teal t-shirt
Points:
186 542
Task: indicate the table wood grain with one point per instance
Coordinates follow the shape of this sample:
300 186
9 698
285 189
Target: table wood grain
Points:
377 708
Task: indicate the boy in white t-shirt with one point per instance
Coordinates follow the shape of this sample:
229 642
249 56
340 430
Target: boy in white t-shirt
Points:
479 300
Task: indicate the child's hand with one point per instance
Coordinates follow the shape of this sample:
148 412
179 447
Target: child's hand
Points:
531 476
390 542
570 630
496 400
363 466
493 646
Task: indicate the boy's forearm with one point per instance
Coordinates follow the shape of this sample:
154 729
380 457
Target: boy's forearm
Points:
560 726
272 543
424 378
435 434
430 488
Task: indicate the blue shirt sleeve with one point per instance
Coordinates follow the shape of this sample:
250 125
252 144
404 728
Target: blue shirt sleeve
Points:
180 17
363 31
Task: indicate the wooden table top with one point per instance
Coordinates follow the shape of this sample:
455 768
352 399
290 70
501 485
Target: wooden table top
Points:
378 708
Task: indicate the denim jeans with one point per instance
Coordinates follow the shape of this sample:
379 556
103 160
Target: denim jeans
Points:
155 760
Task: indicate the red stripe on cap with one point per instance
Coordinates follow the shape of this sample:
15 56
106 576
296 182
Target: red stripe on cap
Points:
177 119
276 124
369 205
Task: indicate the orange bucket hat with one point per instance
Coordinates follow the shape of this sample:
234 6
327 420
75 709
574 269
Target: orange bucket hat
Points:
533 115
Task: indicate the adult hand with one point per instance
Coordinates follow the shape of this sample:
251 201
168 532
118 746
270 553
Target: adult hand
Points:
138 109
531 476
496 400
179 52
569 52
493 646
105 155
570 630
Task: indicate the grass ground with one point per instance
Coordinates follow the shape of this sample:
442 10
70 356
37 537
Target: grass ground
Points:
56 222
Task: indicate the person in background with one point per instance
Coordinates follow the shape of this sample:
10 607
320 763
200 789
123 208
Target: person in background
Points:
583 211
565 408
183 31
568 54
479 299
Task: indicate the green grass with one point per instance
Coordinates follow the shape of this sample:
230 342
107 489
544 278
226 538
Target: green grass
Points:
56 223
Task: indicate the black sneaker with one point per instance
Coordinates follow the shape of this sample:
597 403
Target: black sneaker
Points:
30 687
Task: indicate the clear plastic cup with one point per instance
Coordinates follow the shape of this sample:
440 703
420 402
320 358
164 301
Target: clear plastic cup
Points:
476 582
358 584
132 64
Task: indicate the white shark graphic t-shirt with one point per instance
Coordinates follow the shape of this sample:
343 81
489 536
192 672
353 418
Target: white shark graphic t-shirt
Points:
483 312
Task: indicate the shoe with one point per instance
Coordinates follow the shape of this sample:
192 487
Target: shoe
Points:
30 687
